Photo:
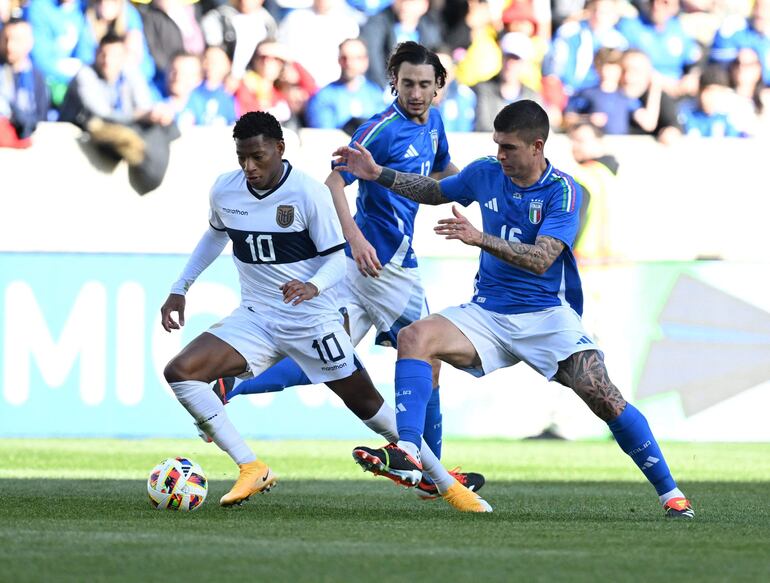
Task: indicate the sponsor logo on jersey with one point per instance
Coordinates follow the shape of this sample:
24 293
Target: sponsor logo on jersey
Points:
234 211
434 140
491 204
411 152
284 215
535 211
517 195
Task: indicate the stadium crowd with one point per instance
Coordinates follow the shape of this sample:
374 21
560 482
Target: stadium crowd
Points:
133 74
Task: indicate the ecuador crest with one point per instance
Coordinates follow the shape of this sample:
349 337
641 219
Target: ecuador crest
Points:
284 215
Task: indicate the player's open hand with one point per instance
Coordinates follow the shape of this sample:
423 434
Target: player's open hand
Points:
458 227
365 256
358 161
296 292
173 303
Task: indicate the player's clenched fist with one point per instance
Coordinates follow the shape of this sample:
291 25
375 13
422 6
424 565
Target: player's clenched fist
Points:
174 303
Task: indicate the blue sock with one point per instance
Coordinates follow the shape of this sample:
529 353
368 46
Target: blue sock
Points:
414 385
634 437
432 432
285 373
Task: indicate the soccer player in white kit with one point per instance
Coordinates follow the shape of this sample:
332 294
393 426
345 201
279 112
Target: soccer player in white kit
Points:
288 249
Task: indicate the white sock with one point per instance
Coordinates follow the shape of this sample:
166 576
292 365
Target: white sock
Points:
675 493
435 470
209 413
384 423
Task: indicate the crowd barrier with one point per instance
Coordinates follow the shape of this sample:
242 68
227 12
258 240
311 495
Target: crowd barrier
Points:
85 263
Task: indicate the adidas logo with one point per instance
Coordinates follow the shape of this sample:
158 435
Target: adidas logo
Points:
651 461
400 408
411 152
585 340
491 204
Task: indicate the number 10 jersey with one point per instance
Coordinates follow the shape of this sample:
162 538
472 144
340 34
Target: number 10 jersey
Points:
278 235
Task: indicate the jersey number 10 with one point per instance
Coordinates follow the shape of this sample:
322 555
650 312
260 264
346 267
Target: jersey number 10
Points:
261 248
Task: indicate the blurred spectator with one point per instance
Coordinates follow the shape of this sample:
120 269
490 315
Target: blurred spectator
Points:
57 26
111 102
709 117
596 173
455 101
23 93
753 33
115 17
404 20
185 73
658 32
749 110
170 27
350 100
655 112
520 17
571 56
318 53
210 103
483 59
369 7
297 87
258 90
238 27
507 86
604 105
10 9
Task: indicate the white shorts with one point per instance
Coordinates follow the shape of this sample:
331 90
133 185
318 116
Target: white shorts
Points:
320 347
541 339
389 302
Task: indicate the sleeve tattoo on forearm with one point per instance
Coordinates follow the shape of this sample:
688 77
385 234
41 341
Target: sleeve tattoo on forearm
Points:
536 258
416 187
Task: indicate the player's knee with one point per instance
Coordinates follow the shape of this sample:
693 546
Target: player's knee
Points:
177 370
413 341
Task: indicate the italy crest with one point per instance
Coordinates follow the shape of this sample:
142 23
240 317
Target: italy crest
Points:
535 211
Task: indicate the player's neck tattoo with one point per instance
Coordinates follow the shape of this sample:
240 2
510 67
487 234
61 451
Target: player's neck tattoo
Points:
416 187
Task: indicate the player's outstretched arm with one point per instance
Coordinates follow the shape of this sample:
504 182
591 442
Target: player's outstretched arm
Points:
364 254
359 162
535 258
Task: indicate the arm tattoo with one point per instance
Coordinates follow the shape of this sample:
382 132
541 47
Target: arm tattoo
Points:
585 373
416 187
535 258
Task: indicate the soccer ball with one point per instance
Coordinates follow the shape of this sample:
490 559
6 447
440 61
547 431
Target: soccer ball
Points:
177 484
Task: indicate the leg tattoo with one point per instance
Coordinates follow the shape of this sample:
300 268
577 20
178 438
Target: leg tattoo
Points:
585 373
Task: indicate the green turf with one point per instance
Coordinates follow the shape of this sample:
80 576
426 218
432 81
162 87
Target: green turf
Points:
77 510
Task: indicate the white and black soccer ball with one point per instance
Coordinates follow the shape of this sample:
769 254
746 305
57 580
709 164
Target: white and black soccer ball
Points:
177 484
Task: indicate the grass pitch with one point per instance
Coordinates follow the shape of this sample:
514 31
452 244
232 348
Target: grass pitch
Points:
77 510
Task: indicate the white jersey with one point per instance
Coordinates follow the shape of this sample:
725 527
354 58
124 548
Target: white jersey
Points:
278 235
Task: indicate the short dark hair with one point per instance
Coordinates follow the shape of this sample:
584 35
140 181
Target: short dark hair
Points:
112 38
257 123
525 118
415 54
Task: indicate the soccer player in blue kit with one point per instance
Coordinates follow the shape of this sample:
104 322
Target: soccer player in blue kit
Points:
528 298
382 287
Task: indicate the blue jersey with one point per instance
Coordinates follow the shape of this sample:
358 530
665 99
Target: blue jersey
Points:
549 207
396 141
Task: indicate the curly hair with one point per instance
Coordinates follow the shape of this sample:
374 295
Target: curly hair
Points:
257 123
